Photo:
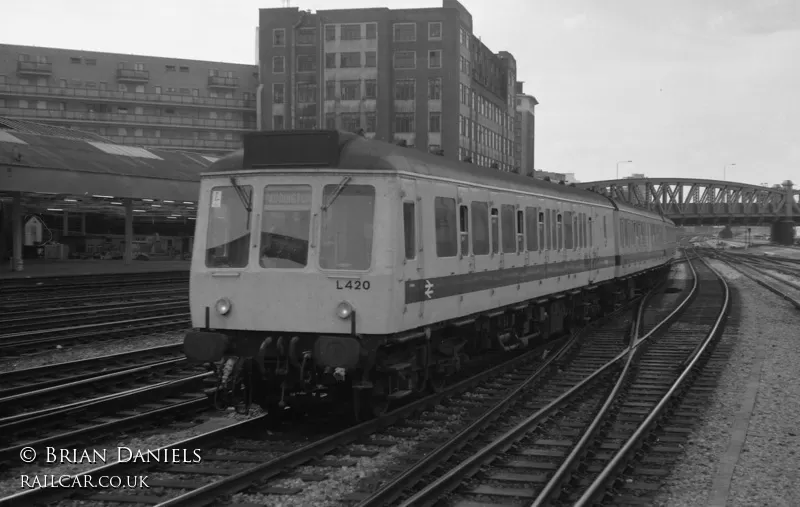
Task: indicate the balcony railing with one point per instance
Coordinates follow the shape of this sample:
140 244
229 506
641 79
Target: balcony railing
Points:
133 76
109 96
133 120
223 82
35 68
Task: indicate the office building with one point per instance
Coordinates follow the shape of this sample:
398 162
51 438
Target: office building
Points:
137 100
525 131
418 76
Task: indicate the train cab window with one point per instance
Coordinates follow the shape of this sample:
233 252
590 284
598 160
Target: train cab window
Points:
532 229
559 232
228 235
540 226
285 226
446 228
569 233
520 231
347 225
509 227
410 230
591 234
548 228
495 218
463 229
480 228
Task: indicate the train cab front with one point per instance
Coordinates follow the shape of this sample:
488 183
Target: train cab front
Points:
286 282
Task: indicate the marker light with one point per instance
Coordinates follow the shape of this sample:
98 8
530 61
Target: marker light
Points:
344 310
223 306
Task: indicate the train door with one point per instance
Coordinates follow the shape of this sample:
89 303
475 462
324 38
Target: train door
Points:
479 227
466 255
413 245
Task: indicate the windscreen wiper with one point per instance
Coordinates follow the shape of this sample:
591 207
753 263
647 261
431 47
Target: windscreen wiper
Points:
244 198
336 193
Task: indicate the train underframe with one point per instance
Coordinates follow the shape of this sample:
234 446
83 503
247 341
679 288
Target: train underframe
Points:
367 374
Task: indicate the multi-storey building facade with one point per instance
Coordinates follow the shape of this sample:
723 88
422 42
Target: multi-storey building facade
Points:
525 131
414 75
130 99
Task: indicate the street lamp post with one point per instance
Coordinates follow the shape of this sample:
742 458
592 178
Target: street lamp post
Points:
725 171
622 162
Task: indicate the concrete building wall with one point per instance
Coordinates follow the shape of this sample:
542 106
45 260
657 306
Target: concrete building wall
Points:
131 99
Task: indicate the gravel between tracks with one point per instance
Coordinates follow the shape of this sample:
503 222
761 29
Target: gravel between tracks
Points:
89 350
10 481
766 470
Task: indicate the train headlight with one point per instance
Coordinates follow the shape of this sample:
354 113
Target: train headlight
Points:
344 310
223 306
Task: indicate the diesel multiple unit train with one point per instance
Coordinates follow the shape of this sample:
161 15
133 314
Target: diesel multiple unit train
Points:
328 266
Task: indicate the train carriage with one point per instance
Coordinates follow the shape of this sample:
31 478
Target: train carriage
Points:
326 263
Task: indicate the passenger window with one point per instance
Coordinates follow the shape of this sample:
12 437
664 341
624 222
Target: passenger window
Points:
568 232
540 226
591 234
446 229
495 231
286 225
463 231
520 231
509 228
410 230
548 230
583 230
480 228
559 232
605 229
531 229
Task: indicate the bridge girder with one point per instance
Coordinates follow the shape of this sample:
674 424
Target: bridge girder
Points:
697 201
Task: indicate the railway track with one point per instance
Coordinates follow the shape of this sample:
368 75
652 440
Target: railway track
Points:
47 286
760 273
21 306
232 464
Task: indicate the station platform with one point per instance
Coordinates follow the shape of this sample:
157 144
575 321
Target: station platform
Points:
39 268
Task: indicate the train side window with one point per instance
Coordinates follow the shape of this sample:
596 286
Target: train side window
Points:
583 230
540 227
605 228
480 228
559 232
548 228
531 229
520 231
446 228
591 234
508 226
410 230
495 218
568 230
463 231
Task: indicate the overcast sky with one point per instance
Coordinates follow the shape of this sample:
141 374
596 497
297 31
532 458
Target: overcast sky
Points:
681 87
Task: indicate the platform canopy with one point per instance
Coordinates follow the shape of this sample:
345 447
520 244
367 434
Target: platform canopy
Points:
57 169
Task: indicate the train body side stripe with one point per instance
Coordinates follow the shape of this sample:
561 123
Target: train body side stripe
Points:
455 285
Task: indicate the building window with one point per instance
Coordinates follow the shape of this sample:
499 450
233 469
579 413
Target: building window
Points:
330 33
351 122
372 31
41 104
278 65
139 88
138 132
23 58
404 89
351 90
435 122
330 121
350 60
330 90
435 88
183 68
228 116
121 87
435 59
306 63
372 122
169 68
371 89
122 110
306 93
404 123
24 81
435 30
157 89
184 91
229 137
91 61
405 60
277 122
330 60
74 60
277 93
307 36
246 96
122 131
195 92
351 32
138 110
140 66
23 104
405 32
62 83
212 115
278 37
